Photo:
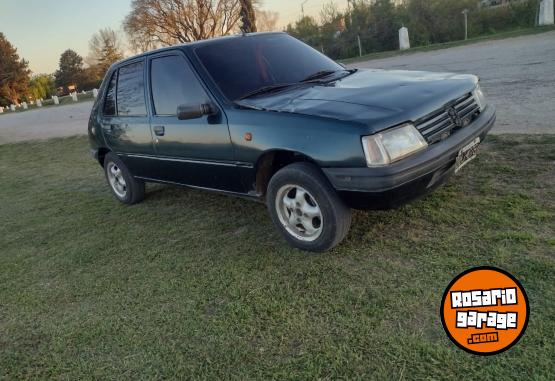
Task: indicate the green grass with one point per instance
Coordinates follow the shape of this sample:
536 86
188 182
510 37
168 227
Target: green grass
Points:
452 44
195 285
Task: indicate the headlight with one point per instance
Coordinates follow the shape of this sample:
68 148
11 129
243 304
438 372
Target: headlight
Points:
389 146
479 97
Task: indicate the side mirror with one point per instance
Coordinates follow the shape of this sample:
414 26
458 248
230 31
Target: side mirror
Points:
185 112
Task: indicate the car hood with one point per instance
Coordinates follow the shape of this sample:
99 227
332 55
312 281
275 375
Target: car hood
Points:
378 99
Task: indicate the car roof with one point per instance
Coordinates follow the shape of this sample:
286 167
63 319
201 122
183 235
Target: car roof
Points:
192 44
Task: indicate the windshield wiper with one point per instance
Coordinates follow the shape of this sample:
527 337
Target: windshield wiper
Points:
349 72
318 74
280 86
266 89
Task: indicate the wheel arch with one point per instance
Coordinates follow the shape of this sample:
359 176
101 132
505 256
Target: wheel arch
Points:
272 161
102 152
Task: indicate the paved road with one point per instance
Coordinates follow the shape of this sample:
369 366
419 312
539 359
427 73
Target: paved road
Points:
49 122
518 77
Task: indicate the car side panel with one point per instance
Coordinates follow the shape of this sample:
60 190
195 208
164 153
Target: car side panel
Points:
125 135
195 152
94 129
327 142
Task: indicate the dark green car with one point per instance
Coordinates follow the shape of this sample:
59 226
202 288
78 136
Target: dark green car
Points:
267 117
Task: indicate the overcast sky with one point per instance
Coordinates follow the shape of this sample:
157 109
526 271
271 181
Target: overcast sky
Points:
42 29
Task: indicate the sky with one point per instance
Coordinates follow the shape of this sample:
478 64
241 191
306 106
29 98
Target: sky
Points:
42 30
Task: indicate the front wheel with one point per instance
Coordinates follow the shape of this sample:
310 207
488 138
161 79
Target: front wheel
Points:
306 209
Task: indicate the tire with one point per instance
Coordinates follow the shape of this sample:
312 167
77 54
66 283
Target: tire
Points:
123 185
295 195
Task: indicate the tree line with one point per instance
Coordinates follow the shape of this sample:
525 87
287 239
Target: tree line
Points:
157 23
376 23
17 84
150 24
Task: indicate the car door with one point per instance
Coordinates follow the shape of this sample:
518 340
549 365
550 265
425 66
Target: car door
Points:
125 120
195 152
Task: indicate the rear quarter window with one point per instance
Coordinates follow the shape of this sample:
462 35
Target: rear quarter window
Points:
131 90
109 108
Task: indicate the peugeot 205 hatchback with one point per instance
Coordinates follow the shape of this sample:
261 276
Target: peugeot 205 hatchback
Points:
268 117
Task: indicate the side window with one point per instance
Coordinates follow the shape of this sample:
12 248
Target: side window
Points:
110 100
174 83
131 90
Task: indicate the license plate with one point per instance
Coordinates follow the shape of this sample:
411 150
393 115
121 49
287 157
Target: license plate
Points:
466 154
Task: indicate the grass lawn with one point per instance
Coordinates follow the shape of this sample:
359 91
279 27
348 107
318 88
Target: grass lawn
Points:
451 44
195 285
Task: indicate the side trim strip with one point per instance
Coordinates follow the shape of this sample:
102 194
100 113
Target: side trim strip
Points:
253 197
180 160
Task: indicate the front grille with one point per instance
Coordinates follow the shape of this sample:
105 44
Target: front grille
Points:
442 123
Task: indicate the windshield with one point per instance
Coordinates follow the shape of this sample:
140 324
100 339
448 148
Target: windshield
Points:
240 66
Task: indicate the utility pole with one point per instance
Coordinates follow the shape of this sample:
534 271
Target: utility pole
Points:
302 6
465 13
351 27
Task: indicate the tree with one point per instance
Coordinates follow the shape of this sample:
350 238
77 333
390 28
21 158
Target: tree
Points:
248 18
70 70
14 74
153 23
42 86
436 21
332 31
329 13
266 21
105 48
92 77
376 23
306 29
384 26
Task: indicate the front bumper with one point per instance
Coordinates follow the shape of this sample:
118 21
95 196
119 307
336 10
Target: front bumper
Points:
396 184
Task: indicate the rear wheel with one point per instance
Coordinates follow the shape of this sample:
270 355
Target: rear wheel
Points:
306 209
124 186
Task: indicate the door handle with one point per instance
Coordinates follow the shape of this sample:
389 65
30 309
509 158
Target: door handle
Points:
159 130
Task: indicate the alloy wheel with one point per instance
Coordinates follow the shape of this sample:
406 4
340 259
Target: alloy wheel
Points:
299 213
116 180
